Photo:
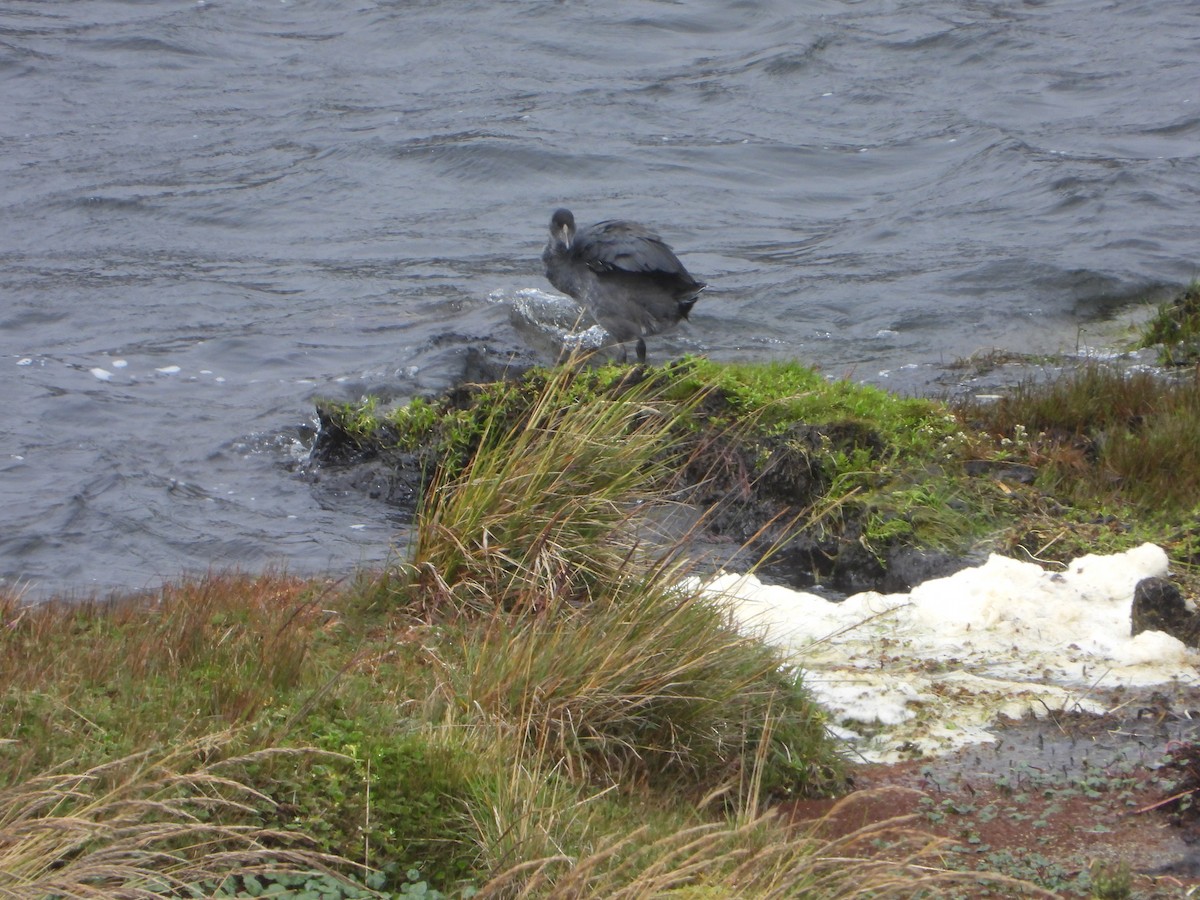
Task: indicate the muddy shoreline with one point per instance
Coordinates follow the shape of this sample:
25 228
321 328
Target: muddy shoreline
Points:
1052 797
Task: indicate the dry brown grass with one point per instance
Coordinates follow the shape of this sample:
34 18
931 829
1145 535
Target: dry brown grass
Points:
140 826
263 621
756 858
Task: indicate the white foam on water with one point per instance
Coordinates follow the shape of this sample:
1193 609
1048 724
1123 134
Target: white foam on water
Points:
168 370
927 672
102 374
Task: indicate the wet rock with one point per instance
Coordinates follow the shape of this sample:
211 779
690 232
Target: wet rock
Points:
1159 605
485 363
344 462
857 569
908 567
337 444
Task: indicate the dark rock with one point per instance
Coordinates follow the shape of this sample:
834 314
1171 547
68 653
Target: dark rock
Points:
1159 605
482 364
385 481
336 445
343 462
856 568
908 566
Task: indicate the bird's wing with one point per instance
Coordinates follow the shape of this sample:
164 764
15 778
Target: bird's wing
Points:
626 246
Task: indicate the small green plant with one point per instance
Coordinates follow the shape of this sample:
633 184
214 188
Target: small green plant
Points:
1110 880
359 421
1175 329
283 886
390 799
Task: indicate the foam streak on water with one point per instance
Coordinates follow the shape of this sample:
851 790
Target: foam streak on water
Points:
256 204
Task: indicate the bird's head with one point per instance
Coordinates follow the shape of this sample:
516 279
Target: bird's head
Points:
562 229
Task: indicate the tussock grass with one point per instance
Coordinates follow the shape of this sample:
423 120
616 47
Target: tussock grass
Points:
580 631
1175 329
656 689
546 507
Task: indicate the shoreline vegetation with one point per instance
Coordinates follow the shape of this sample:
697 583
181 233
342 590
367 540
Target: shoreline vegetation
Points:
528 704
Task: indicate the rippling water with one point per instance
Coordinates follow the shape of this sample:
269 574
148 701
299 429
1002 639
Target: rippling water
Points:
215 212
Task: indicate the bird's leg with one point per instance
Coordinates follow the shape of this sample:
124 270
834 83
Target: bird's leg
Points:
641 351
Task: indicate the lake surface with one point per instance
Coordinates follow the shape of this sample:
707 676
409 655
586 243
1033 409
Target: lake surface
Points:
214 213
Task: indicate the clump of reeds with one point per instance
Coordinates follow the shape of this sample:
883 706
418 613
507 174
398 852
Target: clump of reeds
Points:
650 687
547 505
1175 329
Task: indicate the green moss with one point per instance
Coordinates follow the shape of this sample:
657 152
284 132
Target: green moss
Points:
361 418
778 394
771 397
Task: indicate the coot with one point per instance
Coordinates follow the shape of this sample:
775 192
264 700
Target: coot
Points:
629 280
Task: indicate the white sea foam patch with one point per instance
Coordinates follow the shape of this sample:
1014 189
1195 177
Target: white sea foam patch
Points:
924 673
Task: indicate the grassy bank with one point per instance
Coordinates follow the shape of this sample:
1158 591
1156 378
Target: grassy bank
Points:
529 705
1095 458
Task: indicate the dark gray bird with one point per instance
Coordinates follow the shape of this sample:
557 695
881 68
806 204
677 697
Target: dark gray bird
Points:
629 280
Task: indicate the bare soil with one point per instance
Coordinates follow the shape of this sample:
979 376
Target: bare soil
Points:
1053 798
